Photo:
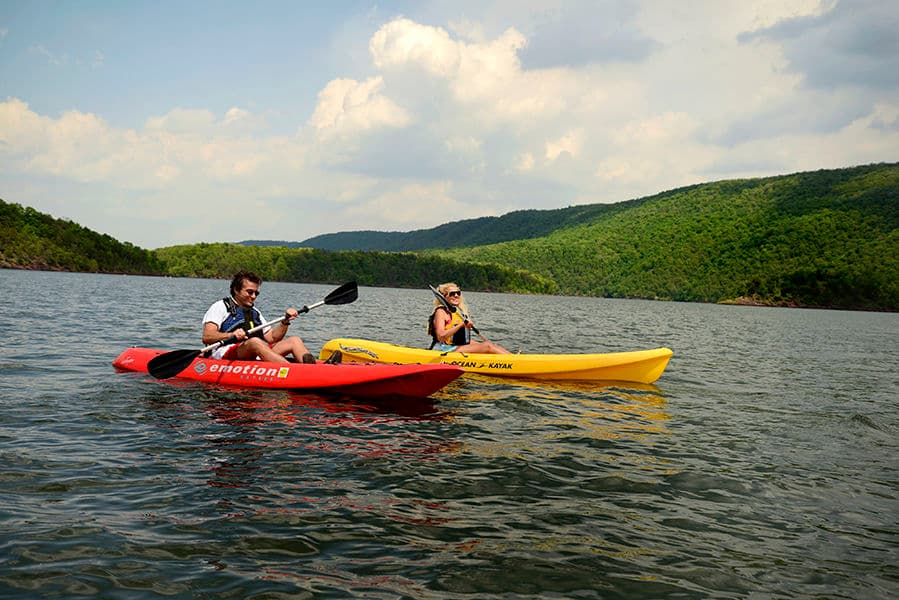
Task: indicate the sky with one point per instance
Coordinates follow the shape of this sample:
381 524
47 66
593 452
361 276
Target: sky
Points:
170 122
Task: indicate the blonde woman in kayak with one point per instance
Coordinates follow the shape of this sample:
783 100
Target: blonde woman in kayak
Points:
450 330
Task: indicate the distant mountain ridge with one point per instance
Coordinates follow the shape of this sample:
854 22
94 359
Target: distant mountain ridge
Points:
483 231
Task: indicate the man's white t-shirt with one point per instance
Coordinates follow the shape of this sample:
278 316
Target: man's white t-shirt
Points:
217 313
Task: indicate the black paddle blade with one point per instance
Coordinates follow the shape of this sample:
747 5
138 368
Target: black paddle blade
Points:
345 294
171 363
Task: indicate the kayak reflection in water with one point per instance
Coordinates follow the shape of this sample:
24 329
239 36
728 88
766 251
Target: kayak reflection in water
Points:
450 325
236 314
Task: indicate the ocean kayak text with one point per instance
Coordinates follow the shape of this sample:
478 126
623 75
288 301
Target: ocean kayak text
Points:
469 364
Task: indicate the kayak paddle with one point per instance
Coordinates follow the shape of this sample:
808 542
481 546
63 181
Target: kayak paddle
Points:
452 309
171 363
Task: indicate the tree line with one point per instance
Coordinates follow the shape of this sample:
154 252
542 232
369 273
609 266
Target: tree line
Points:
384 269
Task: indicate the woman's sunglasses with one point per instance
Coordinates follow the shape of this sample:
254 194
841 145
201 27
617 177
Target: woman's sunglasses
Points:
451 294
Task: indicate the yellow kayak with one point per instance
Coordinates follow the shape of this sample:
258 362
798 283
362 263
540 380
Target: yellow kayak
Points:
640 366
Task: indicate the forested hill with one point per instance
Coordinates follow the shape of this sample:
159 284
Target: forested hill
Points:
517 225
823 238
33 240
531 224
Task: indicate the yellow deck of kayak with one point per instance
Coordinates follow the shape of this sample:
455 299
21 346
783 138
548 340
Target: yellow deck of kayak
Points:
641 366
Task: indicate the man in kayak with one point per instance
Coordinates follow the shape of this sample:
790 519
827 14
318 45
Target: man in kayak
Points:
450 326
236 314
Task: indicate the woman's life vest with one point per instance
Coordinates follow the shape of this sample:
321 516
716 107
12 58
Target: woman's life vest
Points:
240 317
460 338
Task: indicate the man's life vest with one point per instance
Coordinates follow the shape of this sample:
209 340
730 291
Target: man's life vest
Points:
240 317
460 338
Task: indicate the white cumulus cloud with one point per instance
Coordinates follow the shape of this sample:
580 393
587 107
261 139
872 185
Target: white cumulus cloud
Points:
347 107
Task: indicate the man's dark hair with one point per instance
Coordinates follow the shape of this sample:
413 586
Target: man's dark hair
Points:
237 282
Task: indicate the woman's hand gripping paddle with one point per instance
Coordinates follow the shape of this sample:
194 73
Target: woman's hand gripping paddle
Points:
171 363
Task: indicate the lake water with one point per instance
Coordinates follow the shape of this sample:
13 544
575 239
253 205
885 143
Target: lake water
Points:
764 462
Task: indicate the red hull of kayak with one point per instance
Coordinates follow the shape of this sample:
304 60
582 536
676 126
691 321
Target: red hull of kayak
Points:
360 380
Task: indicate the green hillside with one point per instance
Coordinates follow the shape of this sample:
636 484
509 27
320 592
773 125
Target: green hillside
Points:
824 238
33 240
517 225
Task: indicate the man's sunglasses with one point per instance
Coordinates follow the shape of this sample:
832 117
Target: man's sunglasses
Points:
252 292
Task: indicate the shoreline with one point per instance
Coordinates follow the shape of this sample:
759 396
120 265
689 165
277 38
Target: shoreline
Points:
758 302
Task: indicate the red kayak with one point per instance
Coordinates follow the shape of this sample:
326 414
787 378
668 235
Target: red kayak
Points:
359 380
